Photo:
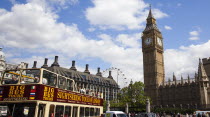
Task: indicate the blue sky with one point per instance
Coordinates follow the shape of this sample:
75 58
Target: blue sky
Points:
104 33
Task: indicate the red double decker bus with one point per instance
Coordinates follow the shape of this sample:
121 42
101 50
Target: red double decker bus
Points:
43 93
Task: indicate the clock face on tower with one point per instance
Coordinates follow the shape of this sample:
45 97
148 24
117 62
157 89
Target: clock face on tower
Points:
148 41
159 41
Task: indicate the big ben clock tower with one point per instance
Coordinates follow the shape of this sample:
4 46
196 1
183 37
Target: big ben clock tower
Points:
152 48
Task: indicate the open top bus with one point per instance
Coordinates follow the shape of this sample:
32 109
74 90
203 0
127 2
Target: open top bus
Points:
39 92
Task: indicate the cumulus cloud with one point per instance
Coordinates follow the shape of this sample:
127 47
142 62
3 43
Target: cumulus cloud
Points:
34 33
129 40
194 35
120 14
194 38
31 30
185 59
167 27
54 5
91 29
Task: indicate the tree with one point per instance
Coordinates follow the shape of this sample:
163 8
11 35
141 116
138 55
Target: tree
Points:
133 95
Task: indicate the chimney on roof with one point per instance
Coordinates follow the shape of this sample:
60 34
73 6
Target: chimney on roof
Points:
55 62
34 66
110 75
99 73
86 69
45 63
73 66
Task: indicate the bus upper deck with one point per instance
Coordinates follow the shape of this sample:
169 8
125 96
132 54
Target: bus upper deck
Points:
42 93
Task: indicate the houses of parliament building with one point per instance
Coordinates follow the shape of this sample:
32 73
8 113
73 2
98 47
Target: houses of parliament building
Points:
185 93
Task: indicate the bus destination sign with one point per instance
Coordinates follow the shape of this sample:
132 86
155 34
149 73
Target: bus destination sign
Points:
46 93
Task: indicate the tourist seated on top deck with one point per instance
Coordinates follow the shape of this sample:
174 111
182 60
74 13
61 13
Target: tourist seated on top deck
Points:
82 90
44 81
22 81
13 81
36 79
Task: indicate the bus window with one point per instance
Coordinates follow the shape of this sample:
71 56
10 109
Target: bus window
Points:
97 112
22 110
69 85
91 111
75 109
61 82
82 112
3 111
41 110
67 111
30 76
50 78
11 77
87 111
59 111
51 111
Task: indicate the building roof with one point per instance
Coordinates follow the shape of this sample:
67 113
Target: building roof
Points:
82 77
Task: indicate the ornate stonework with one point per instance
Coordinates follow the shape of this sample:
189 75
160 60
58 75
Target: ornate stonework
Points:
152 58
184 93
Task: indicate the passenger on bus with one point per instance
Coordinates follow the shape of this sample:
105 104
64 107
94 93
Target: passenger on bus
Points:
82 90
44 81
36 79
52 115
14 80
22 81
87 91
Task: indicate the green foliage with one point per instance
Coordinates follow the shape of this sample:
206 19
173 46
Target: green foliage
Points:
133 95
104 105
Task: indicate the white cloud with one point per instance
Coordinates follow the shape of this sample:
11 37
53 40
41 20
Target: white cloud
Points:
194 38
13 1
31 30
167 27
54 5
120 14
91 29
194 35
185 59
129 40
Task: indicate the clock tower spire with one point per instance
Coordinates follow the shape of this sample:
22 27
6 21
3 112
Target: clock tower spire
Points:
152 48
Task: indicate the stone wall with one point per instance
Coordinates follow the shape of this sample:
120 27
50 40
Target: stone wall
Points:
185 95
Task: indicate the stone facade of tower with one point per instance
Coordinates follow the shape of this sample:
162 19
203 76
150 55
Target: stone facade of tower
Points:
152 48
184 93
